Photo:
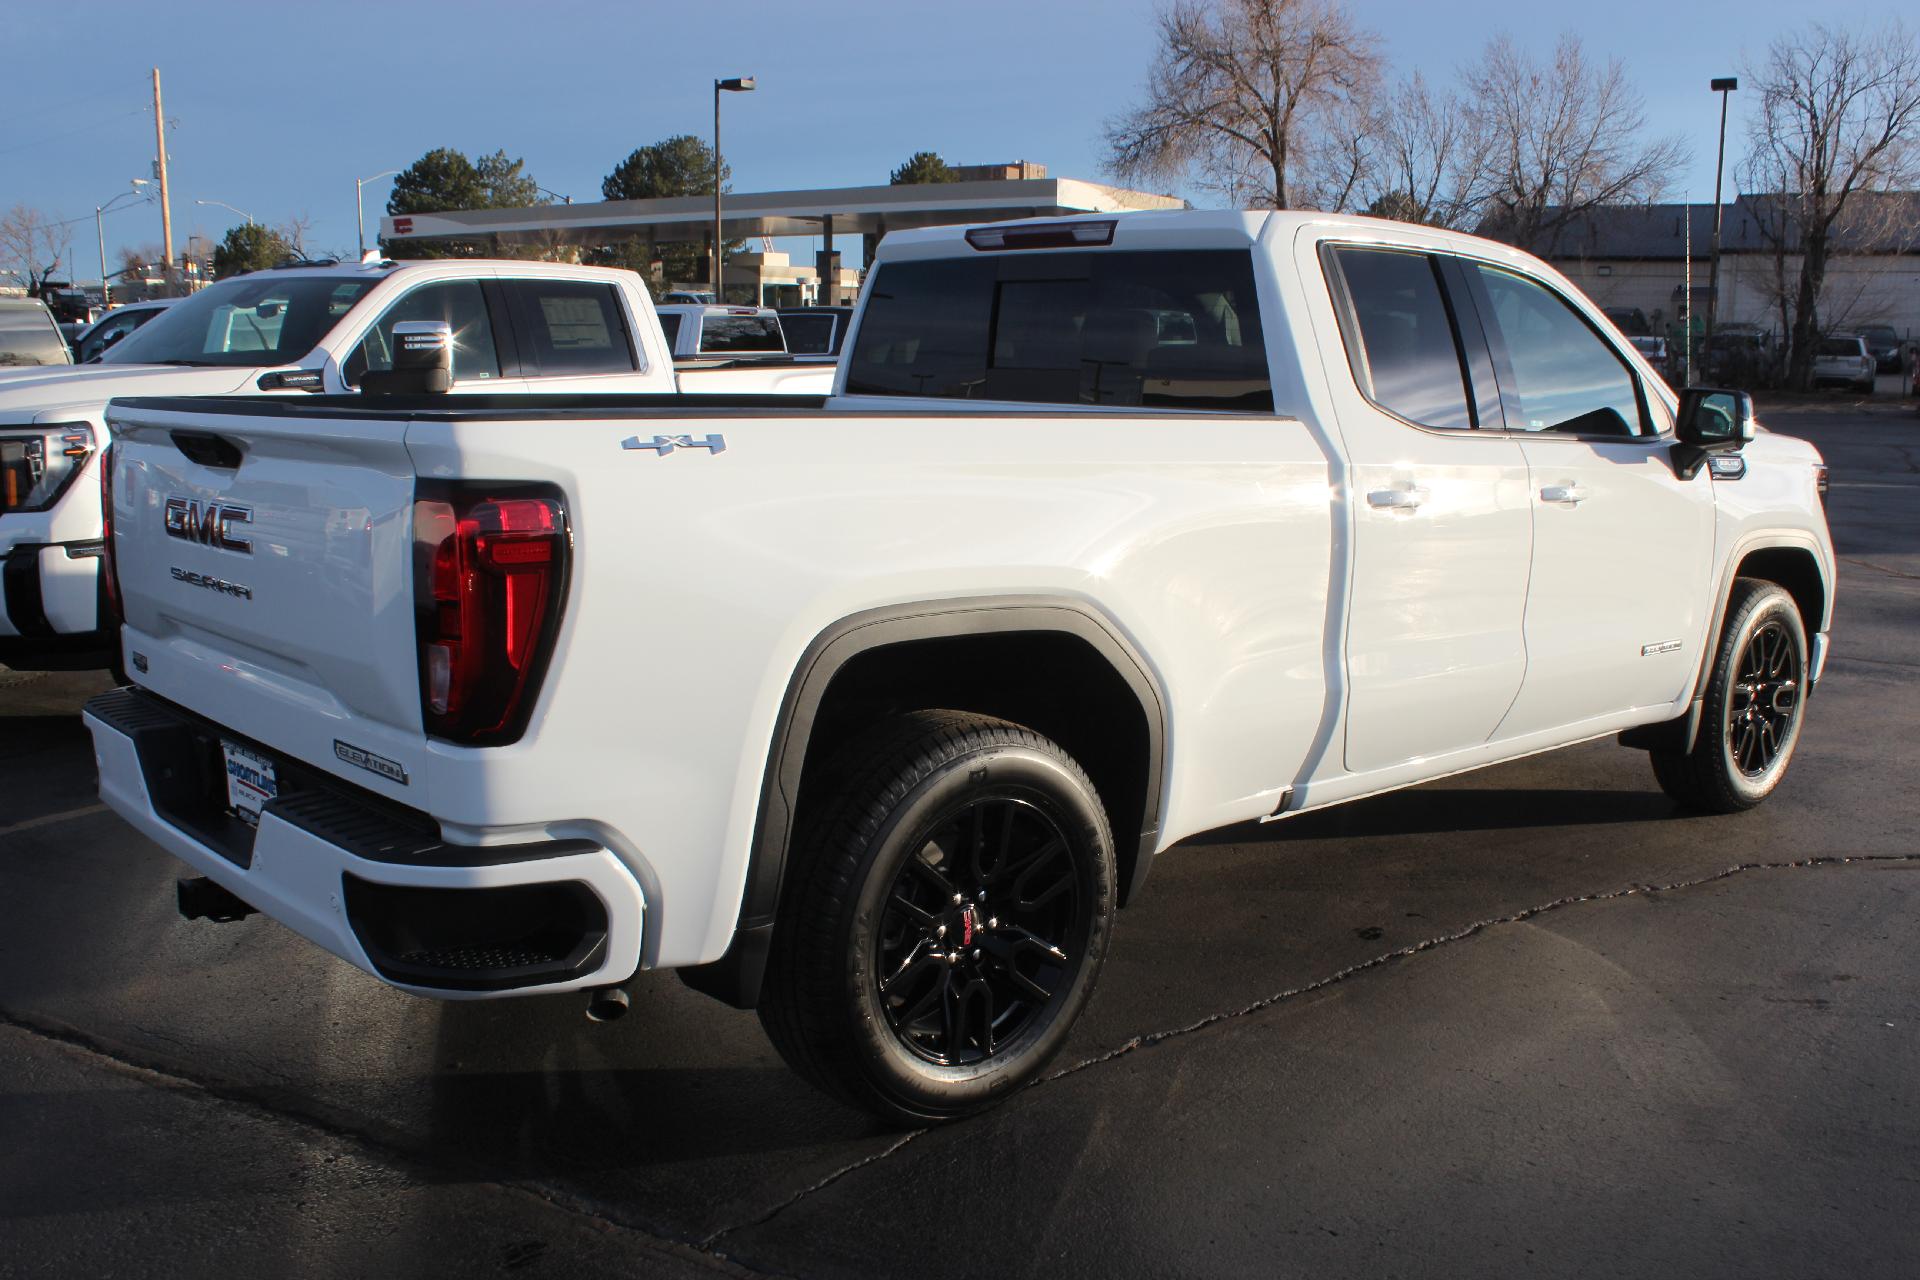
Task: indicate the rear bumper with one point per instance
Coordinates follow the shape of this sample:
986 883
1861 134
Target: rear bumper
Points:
358 878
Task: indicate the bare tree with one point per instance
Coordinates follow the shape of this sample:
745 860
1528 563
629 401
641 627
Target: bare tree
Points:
1426 163
1838 128
1558 140
1257 99
34 246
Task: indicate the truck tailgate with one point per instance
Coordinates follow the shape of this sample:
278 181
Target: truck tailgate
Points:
264 568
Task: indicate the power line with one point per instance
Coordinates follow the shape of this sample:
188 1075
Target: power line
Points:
75 132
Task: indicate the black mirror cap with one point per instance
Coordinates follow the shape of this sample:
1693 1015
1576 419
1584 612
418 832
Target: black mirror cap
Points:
1714 418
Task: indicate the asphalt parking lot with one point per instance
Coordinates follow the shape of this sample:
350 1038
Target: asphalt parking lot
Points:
1529 1020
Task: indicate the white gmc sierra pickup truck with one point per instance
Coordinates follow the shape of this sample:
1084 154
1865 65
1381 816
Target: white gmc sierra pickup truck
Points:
517 327
868 713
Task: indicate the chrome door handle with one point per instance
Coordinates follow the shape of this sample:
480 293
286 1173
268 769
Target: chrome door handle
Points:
1571 494
1397 499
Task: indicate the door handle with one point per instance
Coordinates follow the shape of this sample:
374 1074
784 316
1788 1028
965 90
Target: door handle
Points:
1570 494
1397 499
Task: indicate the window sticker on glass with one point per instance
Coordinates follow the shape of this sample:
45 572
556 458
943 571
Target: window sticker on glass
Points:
576 323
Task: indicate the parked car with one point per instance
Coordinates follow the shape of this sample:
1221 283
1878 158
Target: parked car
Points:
1631 321
1888 348
1655 351
515 327
28 334
1736 357
93 340
815 331
689 297
868 715
1843 358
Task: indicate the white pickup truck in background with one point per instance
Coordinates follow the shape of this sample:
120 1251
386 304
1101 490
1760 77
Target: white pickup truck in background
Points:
518 327
869 714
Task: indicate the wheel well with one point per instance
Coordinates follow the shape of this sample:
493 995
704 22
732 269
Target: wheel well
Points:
1052 682
1795 569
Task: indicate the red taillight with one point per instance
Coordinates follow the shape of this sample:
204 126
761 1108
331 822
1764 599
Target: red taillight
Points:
109 569
490 569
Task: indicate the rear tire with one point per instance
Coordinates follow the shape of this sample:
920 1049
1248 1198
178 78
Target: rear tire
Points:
1755 698
949 909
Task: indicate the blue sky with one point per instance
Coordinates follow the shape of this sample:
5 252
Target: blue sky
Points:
277 108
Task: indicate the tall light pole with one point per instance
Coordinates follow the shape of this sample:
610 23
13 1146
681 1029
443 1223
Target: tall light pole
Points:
739 84
100 233
1723 87
359 205
224 205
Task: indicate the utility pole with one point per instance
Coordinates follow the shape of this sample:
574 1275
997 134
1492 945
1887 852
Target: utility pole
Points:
160 172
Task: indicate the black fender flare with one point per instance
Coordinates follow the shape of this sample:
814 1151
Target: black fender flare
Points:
736 976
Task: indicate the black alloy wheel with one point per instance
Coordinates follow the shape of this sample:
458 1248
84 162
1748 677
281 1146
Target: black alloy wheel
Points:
975 938
948 908
1755 702
1765 701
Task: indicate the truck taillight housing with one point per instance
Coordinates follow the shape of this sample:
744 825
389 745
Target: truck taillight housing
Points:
490 573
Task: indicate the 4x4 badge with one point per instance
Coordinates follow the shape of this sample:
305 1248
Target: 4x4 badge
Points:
664 445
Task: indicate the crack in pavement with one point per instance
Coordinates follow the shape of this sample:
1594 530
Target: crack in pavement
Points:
1459 935
709 1242
395 1155
1153 1038
705 1250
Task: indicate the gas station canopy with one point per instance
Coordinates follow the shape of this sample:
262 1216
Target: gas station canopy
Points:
865 211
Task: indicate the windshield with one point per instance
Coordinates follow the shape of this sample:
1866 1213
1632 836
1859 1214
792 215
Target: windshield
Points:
251 320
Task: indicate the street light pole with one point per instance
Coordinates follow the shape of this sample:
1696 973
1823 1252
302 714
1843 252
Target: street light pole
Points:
1723 87
224 205
100 232
739 84
360 207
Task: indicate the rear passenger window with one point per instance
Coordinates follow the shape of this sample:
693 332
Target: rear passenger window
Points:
670 324
1153 329
1407 359
571 327
1563 376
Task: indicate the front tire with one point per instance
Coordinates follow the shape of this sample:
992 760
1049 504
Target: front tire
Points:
950 910
1755 699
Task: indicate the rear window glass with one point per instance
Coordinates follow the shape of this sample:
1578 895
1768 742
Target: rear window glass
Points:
809 335
670 322
1160 329
740 333
573 327
1839 347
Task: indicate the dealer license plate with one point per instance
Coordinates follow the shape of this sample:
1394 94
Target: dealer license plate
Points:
250 781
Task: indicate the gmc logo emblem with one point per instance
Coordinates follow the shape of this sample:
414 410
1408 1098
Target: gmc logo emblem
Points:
208 523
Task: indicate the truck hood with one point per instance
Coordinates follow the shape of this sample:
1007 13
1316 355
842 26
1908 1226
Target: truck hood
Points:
24 392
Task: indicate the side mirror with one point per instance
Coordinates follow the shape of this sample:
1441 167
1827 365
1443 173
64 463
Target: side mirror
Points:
1711 418
1710 421
422 361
